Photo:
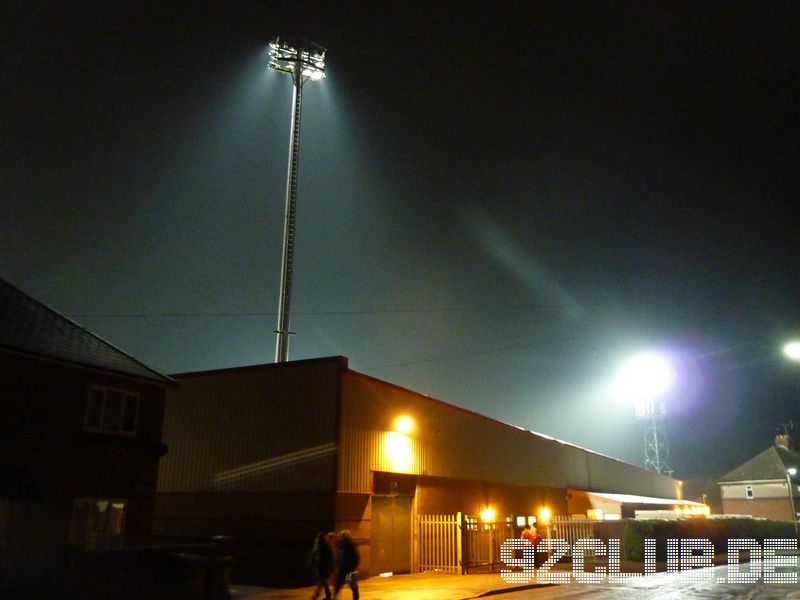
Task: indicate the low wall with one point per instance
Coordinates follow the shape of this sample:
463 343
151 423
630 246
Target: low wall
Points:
196 572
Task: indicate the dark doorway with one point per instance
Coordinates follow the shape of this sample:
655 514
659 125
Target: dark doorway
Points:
391 534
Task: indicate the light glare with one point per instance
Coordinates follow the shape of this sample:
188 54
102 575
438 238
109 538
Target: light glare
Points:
545 515
398 452
404 424
645 376
792 350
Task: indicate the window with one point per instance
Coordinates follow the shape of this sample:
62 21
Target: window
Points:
111 411
748 492
98 522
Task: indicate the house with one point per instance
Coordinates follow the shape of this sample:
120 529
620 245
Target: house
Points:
80 438
268 455
766 485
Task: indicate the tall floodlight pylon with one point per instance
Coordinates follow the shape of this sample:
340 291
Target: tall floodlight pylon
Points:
645 378
303 60
656 449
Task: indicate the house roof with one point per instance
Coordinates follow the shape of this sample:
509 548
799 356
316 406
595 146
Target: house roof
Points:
30 327
770 465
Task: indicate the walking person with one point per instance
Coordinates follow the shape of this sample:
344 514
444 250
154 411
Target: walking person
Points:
321 563
348 561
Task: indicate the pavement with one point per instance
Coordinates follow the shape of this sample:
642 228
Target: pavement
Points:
415 586
428 586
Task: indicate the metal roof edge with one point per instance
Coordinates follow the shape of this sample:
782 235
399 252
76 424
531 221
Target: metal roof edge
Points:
342 360
510 425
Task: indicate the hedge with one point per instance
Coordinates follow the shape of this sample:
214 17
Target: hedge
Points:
718 531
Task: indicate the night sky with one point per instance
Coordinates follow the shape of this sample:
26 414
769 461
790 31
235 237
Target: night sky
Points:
498 202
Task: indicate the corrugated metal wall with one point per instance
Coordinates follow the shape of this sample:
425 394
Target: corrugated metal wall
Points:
455 443
274 428
266 428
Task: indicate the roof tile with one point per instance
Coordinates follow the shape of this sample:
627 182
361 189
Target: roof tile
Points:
27 325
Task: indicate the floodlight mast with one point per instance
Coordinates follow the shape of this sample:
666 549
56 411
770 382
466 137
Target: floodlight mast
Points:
656 449
303 60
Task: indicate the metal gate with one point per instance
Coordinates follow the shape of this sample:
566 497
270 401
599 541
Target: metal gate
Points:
572 529
460 544
482 543
439 543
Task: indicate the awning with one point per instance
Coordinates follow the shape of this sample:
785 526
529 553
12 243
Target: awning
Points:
634 499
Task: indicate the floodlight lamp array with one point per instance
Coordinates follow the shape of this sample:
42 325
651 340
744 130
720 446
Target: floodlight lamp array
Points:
297 56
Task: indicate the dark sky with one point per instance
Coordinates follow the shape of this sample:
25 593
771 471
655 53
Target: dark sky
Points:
499 202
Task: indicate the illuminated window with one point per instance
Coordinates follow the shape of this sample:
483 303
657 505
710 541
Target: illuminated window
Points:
98 522
111 411
748 492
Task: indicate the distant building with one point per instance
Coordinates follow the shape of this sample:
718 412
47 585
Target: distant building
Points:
270 454
80 437
704 490
761 487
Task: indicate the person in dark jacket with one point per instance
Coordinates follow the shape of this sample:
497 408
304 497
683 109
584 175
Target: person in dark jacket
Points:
321 562
348 561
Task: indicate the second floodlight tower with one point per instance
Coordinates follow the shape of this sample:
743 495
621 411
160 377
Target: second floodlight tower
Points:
645 379
302 60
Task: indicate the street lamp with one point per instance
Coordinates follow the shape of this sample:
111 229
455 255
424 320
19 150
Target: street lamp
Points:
645 378
792 351
302 60
790 472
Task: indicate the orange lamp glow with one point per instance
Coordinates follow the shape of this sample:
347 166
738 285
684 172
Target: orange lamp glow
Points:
545 514
404 424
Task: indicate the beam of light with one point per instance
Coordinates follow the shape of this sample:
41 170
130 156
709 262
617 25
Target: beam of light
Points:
398 452
525 268
278 462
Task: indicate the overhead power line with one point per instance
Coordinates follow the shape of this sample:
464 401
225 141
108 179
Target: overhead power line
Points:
181 315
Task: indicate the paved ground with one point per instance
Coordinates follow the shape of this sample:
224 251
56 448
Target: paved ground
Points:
429 586
433 586
712 585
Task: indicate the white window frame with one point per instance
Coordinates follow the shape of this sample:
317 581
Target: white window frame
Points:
111 410
748 492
